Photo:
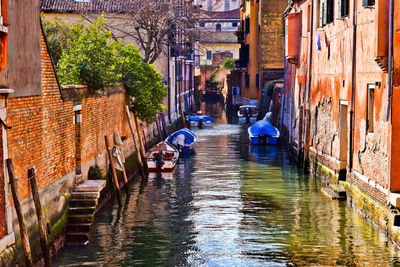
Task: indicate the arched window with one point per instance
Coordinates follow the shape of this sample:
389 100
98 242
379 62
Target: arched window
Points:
218 27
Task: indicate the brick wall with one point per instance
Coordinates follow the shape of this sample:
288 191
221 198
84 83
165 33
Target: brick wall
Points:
42 133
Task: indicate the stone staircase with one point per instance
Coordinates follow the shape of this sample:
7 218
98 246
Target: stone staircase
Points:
82 207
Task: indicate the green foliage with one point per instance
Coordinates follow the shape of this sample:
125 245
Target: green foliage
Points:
95 173
87 54
213 74
143 84
89 57
229 64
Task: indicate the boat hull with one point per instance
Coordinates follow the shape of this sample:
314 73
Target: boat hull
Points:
170 157
263 139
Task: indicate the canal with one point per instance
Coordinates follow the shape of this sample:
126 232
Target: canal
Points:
231 204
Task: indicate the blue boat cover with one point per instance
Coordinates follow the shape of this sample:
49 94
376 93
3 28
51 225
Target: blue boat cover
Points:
263 127
189 136
196 118
193 118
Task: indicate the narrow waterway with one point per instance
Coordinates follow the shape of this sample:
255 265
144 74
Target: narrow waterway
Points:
231 204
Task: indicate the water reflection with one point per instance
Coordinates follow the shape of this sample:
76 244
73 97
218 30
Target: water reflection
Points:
231 204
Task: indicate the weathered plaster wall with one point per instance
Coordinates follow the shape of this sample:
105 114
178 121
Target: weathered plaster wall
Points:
271 34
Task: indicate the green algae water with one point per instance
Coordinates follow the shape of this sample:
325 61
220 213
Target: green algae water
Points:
231 204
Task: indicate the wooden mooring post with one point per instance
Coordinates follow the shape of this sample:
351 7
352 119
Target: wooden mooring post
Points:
114 173
138 153
141 144
18 210
39 213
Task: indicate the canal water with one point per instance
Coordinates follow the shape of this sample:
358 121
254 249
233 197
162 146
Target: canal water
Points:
231 204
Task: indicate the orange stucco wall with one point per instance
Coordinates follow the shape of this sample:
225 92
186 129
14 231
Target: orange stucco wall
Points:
395 145
331 85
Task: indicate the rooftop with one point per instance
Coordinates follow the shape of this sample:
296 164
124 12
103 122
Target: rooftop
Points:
85 6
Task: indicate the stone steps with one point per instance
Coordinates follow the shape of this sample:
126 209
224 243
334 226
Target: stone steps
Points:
335 193
83 204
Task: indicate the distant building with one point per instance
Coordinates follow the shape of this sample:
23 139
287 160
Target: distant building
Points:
218 5
218 39
260 36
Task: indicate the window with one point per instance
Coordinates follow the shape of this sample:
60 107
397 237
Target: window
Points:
234 24
209 55
227 5
247 81
368 3
326 12
258 80
370 108
247 25
218 27
343 8
202 24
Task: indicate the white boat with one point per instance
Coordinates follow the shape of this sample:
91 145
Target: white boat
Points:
249 111
162 158
185 140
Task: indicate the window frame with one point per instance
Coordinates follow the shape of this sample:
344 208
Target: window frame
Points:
209 52
370 108
343 9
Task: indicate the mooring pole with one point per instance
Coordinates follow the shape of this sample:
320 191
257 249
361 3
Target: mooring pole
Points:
114 173
138 153
159 127
39 213
17 205
141 144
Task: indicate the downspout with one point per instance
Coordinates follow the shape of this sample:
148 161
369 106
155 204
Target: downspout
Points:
353 80
169 83
308 104
390 61
390 80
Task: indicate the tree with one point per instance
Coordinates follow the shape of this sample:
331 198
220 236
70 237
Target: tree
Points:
87 54
229 64
155 25
143 84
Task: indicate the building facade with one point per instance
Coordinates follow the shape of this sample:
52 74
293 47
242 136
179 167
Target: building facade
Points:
260 36
340 100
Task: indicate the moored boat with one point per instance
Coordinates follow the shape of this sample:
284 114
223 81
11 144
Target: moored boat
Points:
247 112
162 157
199 120
263 133
184 140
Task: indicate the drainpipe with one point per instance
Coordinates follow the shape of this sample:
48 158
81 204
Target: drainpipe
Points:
390 61
390 79
308 100
353 80
169 82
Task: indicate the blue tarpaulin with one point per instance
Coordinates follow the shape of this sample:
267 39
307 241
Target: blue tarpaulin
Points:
263 127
